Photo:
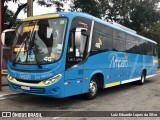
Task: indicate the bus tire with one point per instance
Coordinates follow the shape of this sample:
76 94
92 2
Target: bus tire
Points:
143 78
93 89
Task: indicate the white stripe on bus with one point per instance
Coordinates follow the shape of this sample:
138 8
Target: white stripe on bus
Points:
135 79
149 76
130 80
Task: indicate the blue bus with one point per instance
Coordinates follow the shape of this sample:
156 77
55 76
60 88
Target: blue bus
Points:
70 53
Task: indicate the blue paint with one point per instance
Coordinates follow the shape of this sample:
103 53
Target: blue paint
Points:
114 66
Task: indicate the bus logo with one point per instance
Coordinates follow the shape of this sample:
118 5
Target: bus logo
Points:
25 67
118 62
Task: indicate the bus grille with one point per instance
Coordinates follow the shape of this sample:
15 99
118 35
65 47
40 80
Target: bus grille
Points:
28 81
32 89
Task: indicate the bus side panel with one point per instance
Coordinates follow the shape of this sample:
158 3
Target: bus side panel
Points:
147 64
150 65
73 87
155 65
119 74
97 63
73 81
88 74
113 65
118 63
135 65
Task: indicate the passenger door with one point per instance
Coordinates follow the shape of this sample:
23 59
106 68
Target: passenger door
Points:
75 58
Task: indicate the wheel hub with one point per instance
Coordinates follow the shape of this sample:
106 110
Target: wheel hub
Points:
93 87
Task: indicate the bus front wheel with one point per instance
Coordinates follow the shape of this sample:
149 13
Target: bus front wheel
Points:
93 89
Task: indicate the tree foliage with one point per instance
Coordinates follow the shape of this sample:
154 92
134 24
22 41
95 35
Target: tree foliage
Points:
96 8
139 15
58 4
9 17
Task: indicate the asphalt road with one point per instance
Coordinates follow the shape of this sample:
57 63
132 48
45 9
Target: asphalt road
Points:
128 97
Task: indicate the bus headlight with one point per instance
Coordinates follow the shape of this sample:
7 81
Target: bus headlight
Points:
52 80
9 77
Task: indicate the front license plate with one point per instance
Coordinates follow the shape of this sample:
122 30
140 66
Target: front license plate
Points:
25 88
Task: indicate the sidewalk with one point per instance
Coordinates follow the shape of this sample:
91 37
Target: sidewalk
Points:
5 89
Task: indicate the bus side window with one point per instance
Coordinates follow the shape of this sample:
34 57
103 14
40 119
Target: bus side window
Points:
118 45
102 38
155 50
138 46
70 49
74 53
149 48
119 41
141 47
130 44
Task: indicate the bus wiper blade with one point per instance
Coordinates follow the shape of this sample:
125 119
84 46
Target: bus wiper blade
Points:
14 61
38 64
32 44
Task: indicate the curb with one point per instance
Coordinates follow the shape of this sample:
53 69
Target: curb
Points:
5 96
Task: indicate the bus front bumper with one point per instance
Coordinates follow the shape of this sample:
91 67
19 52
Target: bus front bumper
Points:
40 89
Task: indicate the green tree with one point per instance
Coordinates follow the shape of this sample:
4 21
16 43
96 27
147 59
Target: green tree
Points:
143 14
139 15
154 33
97 8
9 17
58 4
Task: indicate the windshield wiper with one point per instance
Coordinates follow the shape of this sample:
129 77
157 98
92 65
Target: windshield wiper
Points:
14 61
34 45
30 38
31 45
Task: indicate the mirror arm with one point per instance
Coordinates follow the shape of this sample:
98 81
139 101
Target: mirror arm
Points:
86 33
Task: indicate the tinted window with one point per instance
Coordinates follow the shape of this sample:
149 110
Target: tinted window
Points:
118 41
103 29
73 53
118 34
102 37
118 45
140 46
137 45
149 48
130 46
155 50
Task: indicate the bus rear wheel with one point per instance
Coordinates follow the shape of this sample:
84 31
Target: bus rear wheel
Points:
93 89
142 80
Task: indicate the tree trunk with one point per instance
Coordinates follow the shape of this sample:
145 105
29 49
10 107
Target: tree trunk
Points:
16 14
21 7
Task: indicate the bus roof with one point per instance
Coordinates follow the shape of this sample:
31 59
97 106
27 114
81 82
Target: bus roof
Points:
76 14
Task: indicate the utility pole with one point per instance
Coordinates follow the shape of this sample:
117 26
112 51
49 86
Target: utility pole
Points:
29 8
0 45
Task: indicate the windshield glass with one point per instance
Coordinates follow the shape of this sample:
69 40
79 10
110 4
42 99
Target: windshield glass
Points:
39 42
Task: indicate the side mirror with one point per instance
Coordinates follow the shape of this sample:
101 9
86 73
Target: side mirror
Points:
81 38
7 36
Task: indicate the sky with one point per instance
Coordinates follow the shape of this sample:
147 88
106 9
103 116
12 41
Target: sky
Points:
37 9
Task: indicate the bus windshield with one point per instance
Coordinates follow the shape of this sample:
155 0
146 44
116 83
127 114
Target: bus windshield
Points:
39 41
